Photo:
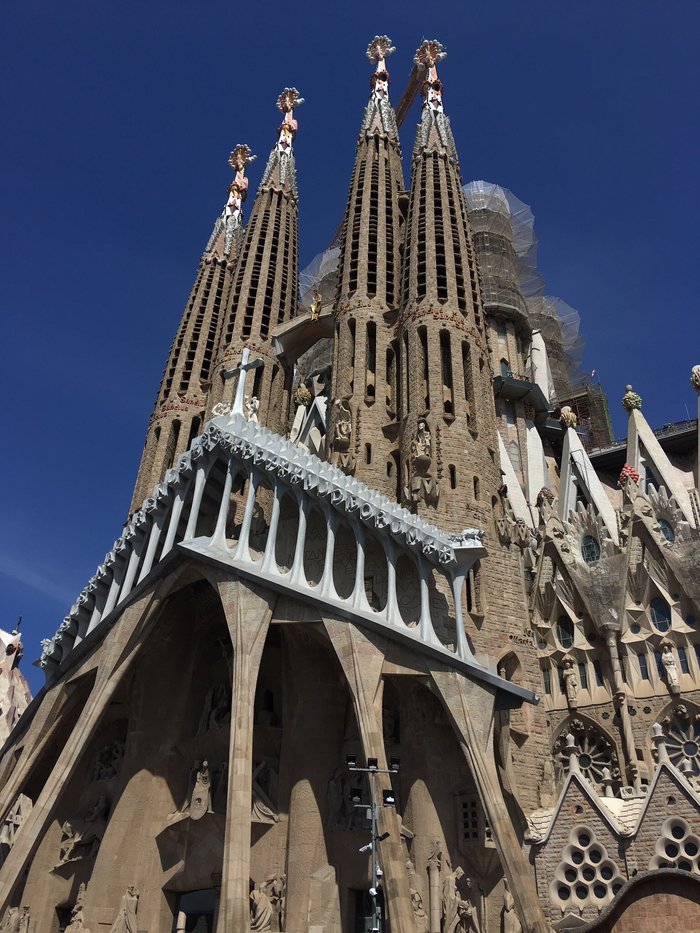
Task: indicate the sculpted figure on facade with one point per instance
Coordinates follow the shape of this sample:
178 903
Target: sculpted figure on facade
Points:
316 304
342 435
260 910
126 918
12 823
670 667
201 795
511 922
276 889
264 805
570 683
458 913
77 920
420 916
81 836
423 485
108 761
252 406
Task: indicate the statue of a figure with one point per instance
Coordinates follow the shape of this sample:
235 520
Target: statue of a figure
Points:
201 795
252 405
108 761
10 920
511 922
77 920
315 306
81 836
570 683
264 808
260 910
421 445
276 889
420 915
24 920
669 662
342 424
126 918
459 914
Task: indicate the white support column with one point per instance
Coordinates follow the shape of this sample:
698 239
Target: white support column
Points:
218 539
296 574
327 586
392 606
199 482
242 549
175 513
359 599
153 540
463 650
427 632
132 566
119 569
269 561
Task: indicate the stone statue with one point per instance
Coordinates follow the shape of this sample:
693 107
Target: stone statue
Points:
12 823
126 918
421 445
252 406
260 910
695 378
11 920
81 836
423 485
315 306
276 889
511 922
264 807
420 917
568 417
201 795
458 913
77 920
570 683
24 920
108 761
669 662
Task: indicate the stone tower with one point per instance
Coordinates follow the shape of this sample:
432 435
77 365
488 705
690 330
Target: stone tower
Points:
182 399
448 453
266 283
363 435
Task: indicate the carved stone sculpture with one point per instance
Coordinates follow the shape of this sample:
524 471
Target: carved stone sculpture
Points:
81 836
695 378
631 400
568 417
252 405
12 823
11 920
108 761
77 920
570 683
342 425
24 920
260 910
264 804
126 918
458 913
276 889
669 662
201 795
511 922
315 306
420 917
423 485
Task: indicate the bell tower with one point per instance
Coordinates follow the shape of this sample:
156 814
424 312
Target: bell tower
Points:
448 437
266 283
363 432
178 415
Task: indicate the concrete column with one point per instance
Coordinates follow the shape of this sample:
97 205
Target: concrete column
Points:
248 611
470 708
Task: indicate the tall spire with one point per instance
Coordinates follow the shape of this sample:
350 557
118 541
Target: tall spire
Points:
434 130
182 399
266 282
227 234
361 440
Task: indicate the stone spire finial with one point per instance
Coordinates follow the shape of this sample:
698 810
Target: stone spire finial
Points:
571 749
237 192
695 378
378 50
288 100
686 769
429 53
631 400
280 171
607 782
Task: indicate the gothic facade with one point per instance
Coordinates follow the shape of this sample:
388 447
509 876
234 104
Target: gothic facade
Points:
397 637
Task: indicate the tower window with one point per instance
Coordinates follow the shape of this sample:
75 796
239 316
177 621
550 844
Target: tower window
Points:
368 453
476 487
505 369
547 678
514 455
423 337
510 413
643 666
660 614
590 549
453 476
683 658
583 675
565 631
598 671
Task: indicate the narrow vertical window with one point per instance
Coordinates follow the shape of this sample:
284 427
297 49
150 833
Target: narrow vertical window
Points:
446 367
583 675
547 678
467 376
371 362
598 671
683 658
423 337
368 453
350 370
476 487
453 476
390 381
643 666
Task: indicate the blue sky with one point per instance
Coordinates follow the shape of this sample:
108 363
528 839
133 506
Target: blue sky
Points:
118 120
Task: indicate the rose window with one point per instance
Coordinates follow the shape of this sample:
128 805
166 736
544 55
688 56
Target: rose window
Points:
683 741
594 754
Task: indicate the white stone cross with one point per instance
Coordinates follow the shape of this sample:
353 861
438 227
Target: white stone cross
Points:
242 369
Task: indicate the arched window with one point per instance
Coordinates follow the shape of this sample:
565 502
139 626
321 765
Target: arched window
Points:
514 455
565 631
368 453
667 530
505 368
660 614
590 549
510 412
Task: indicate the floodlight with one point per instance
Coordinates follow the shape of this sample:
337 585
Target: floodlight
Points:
351 761
356 794
394 764
372 764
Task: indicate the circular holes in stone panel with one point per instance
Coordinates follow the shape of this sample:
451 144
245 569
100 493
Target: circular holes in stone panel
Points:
677 832
581 892
584 840
577 857
595 855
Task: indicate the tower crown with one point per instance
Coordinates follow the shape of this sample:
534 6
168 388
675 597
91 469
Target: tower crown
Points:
434 131
280 171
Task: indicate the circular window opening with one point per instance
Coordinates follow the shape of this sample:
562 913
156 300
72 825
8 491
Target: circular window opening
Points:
600 891
595 855
616 887
585 761
667 530
584 840
606 872
581 892
660 614
588 873
563 893
686 866
635 629
590 549
570 874
565 631
691 849
577 857
678 832
671 850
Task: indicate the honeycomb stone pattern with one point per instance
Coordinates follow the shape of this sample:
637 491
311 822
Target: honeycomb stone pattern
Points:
586 875
677 847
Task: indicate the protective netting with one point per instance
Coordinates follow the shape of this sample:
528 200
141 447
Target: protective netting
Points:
319 275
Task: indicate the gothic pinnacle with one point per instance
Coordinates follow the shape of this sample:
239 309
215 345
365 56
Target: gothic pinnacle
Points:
429 53
288 100
238 189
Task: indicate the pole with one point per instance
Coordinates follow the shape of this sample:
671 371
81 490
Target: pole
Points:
375 880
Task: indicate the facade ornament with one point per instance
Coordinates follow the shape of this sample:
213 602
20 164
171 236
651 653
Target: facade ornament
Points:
379 49
631 400
252 406
220 409
511 921
342 426
108 761
316 304
695 378
302 396
568 416
264 803
628 472
420 916
458 913
260 910
423 485
81 836
570 683
434 887
17 814
428 55
77 919
126 918
288 100
201 795
668 661
237 193
276 890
